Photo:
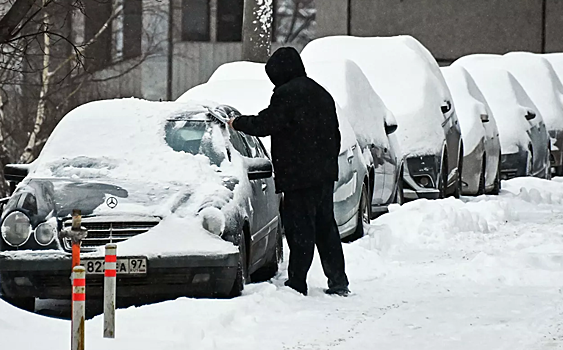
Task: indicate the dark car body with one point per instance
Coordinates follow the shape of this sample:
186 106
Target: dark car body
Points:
251 216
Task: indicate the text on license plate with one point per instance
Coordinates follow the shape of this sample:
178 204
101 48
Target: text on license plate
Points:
124 266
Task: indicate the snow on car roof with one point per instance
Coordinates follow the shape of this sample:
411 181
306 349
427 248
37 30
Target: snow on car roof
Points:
241 70
250 97
508 101
556 60
470 105
352 91
129 135
540 81
537 77
404 75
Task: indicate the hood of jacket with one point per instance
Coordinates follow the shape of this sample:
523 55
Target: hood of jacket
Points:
284 65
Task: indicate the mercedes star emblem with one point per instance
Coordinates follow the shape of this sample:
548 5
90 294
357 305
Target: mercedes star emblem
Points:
111 202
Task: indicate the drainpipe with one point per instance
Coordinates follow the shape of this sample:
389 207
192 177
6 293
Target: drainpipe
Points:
543 25
170 55
348 18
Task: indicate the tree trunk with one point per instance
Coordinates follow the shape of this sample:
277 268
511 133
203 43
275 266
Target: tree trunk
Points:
28 156
257 30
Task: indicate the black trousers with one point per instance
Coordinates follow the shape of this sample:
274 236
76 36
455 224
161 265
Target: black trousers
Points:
308 218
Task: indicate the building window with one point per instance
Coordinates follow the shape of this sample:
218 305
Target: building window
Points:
132 28
195 20
229 20
98 54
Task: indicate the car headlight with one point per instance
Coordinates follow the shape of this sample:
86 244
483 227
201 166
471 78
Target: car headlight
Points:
16 229
213 220
45 233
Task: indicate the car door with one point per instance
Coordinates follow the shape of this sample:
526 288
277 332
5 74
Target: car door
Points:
266 210
256 222
540 141
379 169
492 147
452 133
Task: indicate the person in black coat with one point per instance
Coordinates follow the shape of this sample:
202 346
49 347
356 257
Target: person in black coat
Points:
305 143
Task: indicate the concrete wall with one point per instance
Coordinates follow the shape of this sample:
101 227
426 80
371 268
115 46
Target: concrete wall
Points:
331 17
453 28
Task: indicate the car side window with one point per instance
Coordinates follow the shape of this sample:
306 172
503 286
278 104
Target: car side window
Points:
254 147
238 143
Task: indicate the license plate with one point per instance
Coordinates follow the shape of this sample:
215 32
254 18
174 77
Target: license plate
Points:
125 266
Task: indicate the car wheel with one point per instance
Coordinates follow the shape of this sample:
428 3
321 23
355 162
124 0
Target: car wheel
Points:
363 216
27 304
482 176
242 270
443 179
399 191
270 268
548 164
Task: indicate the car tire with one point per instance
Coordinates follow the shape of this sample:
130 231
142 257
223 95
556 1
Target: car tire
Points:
399 191
270 268
363 216
530 161
27 304
548 163
482 176
242 270
443 179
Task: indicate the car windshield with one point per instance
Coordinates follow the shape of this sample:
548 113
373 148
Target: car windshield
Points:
195 137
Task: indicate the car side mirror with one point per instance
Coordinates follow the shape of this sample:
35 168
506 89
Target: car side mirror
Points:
446 107
484 118
390 128
530 115
16 172
259 168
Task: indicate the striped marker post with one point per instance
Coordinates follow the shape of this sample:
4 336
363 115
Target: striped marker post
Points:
109 290
78 307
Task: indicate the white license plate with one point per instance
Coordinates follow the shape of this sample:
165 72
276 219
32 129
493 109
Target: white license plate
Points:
125 266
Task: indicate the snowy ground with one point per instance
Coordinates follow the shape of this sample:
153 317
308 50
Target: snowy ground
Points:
479 273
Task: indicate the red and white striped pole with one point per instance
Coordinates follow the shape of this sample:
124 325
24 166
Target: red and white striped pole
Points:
78 307
109 290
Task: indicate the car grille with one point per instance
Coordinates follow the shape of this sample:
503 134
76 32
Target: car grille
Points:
102 231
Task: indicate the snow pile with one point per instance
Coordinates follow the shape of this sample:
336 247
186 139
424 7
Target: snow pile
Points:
352 92
556 61
537 77
403 74
470 105
241 70
430 275
250 97
508 101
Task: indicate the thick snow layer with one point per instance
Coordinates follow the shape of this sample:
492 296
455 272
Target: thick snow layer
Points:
556 60
508 101
250 97
241 70
537 77
541 83
353 93
470 105
472 274
404 75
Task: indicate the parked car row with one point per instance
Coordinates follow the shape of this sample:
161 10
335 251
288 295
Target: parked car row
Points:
193 203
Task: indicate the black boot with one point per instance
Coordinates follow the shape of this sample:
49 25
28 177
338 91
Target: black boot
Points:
340 291
296 287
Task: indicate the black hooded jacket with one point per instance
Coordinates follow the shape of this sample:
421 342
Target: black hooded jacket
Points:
302 122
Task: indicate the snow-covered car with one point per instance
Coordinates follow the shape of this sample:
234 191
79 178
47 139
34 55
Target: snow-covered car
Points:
373 124
190 203
351 191
408 80
481 151
540 81
524 140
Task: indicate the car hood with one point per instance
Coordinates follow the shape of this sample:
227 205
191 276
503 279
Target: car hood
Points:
41 199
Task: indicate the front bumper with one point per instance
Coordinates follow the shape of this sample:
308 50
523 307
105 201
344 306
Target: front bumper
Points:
48 276
513 165
417 167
